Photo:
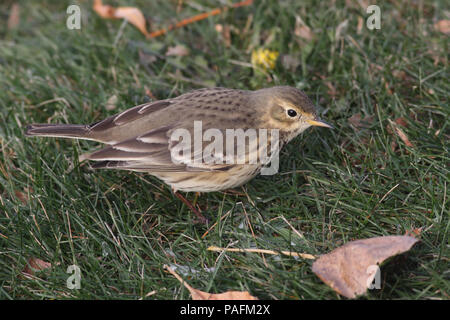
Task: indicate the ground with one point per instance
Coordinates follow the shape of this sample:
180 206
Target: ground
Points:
383 170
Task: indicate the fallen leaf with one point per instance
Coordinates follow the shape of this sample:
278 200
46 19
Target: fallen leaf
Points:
401 122
178 51
350 269
131 14
219 28
443 26
111 103
14 17
290 62
340 29
102 10
360 25
400 133
35 265
393 145
201 295
357 122
302 30
331 89
399 74
224 31
146 60
21 196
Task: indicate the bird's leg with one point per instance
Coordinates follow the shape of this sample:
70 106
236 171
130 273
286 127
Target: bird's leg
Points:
201 218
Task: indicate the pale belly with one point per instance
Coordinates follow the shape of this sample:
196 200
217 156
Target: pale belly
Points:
209 181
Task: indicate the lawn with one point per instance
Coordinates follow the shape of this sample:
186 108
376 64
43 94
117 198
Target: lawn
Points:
382 171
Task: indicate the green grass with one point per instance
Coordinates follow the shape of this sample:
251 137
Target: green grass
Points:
335 186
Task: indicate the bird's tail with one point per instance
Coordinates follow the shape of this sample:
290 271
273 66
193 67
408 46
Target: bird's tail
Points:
58 130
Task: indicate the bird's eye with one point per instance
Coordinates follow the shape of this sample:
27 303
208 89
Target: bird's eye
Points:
292 113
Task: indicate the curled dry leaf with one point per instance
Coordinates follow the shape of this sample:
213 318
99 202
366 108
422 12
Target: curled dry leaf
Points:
290 62
399 132
131 14
35 265
201 295
360 25
402 135
178 51
349 269
21 196
443 26
357 122
111 103
340 30
302 30
401 122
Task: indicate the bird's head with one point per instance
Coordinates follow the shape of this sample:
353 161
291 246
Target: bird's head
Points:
287 109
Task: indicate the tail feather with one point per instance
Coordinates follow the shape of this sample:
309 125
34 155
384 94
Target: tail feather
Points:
58 130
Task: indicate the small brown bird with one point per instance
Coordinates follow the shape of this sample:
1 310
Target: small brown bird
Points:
142 138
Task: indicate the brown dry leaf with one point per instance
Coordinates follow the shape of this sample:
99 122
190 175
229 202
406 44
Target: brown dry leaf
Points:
178 51
224 30
290 62
399 132
302 30
402 135
21 196
357 122
131 14
331 89
35 265
349 269
393 145
201 295
401 122
443 26
360 25
14 17
111 103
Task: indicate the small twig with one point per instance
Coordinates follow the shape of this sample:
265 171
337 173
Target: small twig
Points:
287 253
198 17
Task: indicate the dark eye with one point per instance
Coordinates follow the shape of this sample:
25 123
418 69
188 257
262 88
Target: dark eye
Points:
292 113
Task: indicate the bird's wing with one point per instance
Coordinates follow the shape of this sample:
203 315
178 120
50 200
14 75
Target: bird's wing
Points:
142 118
152 152
125 124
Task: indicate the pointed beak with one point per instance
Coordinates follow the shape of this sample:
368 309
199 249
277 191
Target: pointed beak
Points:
319 123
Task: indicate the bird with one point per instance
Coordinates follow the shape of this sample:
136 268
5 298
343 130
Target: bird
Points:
142 138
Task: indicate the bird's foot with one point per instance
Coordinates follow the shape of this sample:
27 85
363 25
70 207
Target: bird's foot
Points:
200 218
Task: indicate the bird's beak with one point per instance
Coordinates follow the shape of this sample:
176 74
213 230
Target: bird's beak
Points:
319 123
